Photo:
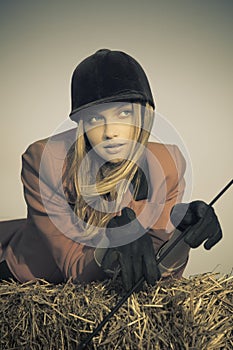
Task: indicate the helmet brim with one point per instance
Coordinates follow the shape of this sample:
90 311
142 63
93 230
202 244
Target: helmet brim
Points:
121 97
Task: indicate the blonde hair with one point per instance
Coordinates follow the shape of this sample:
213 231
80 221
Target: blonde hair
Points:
101 191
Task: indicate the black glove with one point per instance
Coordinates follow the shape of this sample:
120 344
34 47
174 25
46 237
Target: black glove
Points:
203 221
136 259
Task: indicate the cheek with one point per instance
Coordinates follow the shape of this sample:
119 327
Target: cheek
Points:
129 131
94 136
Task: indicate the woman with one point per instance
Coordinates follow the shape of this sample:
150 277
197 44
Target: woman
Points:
99 196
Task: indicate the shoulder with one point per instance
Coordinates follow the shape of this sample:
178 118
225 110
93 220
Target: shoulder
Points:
44 161
169 157
56 146
164 150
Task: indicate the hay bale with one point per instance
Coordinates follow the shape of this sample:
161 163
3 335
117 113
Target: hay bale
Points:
194 313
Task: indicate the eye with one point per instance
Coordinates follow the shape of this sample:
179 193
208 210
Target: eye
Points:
97 119
126 113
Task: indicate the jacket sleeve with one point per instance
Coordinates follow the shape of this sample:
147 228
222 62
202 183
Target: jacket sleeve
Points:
166 168
175 184
51 215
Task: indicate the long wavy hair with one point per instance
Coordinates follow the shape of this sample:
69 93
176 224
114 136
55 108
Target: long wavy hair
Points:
95 191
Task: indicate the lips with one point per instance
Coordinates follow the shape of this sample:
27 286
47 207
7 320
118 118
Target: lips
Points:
114 147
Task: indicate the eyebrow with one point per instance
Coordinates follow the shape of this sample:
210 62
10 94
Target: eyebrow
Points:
123 104
113 108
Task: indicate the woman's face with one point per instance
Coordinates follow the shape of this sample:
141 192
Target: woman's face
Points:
109 128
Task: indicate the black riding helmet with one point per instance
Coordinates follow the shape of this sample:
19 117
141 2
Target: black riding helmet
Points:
108 76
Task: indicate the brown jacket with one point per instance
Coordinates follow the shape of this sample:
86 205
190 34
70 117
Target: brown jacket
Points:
47 245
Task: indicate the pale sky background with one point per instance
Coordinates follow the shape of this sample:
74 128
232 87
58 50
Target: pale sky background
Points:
186 49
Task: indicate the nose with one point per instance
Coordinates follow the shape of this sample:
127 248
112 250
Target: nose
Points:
111 130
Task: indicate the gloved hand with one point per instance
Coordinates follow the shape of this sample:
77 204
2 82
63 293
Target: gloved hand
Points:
136 259
203 221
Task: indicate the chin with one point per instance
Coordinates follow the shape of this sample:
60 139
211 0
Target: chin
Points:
115 160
